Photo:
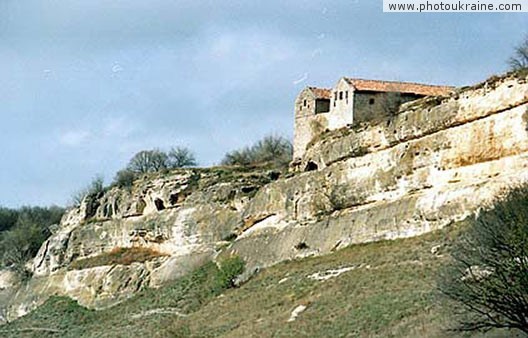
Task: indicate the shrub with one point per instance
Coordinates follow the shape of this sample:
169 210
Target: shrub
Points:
271 149
230 268
95 188
124 178
488 278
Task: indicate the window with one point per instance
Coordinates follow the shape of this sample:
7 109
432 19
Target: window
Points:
340 95
335 95
371 101
304 103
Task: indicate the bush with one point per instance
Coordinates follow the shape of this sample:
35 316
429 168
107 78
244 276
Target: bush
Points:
124 178
230 268
271 149
488 278
95 188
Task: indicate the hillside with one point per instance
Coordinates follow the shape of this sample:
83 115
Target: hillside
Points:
383 289
143 255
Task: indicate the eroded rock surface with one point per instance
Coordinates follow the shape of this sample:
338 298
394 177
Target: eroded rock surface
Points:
436 162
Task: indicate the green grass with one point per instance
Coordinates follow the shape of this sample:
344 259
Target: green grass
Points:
390 293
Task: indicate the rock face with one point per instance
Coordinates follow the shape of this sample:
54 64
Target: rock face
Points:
437 161
186 215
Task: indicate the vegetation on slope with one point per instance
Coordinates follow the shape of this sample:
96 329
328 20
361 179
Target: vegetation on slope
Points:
22 232
488 278
385 289
121 256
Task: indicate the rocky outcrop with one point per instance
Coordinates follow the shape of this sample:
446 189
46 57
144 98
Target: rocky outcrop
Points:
186 216
437 161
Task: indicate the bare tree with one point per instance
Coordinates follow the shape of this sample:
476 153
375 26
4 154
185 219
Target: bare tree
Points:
519 59
488 278
180 157
95 187
147 161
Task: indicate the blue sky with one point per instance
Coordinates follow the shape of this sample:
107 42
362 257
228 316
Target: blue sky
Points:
86 84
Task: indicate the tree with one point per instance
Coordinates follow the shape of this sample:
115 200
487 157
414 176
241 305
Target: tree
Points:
148 161
23 240
271 149
181 157
8 218
488 277
519 59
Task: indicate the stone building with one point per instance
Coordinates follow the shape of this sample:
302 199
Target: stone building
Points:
350 102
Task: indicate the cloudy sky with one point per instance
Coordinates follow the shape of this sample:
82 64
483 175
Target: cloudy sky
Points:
85 84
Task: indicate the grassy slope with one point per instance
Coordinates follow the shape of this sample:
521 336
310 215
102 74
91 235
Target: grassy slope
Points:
390 293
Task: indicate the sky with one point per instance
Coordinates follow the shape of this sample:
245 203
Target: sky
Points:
86 84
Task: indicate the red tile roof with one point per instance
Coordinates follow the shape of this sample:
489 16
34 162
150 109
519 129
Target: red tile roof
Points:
400 87
321 93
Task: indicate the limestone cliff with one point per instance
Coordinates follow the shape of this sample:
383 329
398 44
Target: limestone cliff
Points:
437 161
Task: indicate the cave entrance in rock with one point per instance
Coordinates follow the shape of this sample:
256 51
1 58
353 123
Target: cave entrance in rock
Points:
159 204
311 166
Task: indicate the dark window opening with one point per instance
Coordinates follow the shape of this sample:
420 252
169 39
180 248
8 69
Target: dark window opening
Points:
322 106
304 103
159 204
311 166
340 95
335 95
371 101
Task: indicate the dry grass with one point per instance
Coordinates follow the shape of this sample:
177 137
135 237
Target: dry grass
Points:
118 256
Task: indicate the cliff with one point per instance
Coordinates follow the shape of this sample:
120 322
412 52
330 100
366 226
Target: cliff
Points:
435 162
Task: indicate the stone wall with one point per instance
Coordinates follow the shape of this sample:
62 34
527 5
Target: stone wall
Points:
372 106
307 123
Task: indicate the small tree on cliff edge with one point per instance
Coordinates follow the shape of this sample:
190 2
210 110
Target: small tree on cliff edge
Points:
488 277
519 59
180 157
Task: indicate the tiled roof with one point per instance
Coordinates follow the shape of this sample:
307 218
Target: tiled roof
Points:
400 87
321 93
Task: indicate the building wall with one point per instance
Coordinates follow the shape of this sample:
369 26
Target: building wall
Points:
341 105
308 124
370 106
